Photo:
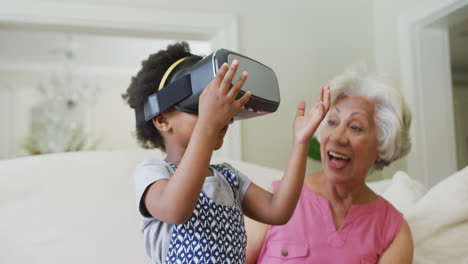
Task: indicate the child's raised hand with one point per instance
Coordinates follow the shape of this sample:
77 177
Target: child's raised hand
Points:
305 125
218 104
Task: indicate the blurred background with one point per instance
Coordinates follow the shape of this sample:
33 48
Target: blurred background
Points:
64 65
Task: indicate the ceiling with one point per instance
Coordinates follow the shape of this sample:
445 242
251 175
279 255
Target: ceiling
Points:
45 51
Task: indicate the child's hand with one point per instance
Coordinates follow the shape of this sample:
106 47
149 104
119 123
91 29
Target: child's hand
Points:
218 104
305 125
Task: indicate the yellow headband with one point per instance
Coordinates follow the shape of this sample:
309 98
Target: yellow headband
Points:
169 70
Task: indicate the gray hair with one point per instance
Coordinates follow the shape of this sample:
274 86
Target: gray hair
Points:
392 116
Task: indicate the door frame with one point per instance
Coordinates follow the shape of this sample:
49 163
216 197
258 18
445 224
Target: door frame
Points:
425 69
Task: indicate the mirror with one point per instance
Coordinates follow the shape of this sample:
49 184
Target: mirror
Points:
61 90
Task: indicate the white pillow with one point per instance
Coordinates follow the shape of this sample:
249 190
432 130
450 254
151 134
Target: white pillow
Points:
438 218
439 222
403 192
379 186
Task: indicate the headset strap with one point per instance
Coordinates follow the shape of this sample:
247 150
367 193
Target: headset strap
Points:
168 72
163 99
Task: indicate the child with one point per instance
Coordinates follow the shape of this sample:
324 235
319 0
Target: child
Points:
191 211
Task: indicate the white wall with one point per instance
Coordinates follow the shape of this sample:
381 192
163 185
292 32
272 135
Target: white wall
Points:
5 117
112 119
385 19
430 110
16 94
307 43
387 53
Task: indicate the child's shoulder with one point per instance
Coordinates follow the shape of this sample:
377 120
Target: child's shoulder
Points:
233 173
152 165
151 161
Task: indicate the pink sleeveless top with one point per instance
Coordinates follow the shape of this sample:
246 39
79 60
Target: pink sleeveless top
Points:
310 235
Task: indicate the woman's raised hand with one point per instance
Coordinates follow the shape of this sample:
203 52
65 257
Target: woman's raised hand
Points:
218 103
305 124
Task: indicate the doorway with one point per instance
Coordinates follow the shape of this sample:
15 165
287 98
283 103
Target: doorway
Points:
458 35
427 84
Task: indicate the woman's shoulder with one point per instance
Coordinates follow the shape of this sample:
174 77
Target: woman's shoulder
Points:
389 212
392 221
387 206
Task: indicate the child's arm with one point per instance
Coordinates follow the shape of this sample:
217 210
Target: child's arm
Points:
277 208
174 200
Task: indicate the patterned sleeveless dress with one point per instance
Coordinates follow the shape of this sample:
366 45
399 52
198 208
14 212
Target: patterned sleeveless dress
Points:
214 233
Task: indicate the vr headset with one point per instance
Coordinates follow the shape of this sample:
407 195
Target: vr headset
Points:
185 87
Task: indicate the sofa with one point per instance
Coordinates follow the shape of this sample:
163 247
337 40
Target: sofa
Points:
80 207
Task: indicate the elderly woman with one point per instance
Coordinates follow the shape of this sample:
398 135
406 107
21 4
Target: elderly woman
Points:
338 218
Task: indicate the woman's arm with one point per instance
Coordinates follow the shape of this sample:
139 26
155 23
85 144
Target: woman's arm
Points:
401 248
277 208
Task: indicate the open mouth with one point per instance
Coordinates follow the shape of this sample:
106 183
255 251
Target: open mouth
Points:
337 160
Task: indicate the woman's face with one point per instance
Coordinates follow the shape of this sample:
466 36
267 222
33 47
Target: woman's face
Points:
348 140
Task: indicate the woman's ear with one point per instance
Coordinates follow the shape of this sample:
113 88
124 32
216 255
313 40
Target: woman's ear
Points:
161 123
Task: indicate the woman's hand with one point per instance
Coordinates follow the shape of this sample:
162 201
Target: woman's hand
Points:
218 104
277 208
305 125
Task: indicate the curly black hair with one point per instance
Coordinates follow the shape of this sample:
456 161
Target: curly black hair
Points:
146 83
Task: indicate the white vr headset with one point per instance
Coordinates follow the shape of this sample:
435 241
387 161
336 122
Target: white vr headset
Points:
185 87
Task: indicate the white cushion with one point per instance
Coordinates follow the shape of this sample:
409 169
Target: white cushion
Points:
379 186
79 207
403 192
439 222
70 208
438 218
